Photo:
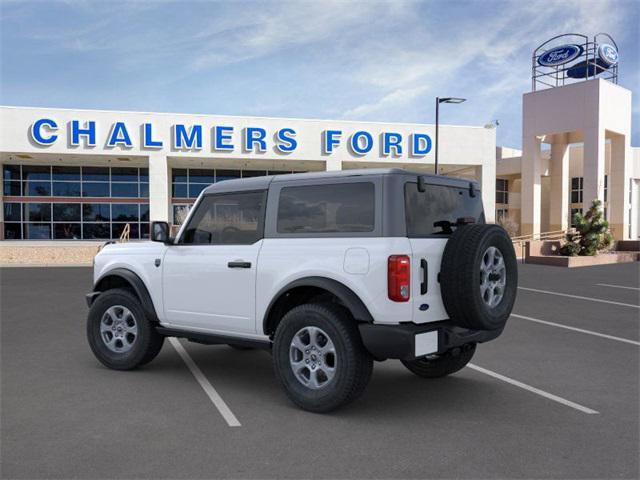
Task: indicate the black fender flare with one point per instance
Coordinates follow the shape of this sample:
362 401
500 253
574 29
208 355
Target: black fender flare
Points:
135 282
347 296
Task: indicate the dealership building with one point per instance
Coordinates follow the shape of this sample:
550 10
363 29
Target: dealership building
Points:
87 174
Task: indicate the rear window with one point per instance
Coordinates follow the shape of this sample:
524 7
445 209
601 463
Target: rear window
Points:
438 204
340 207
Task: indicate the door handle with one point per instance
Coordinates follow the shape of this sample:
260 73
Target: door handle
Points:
425 276
239 264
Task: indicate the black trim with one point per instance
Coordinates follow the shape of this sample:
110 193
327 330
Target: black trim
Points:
90 298
136 283
398 341
348 298
213 338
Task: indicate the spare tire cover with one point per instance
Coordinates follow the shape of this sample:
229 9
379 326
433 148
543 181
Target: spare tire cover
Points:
479 277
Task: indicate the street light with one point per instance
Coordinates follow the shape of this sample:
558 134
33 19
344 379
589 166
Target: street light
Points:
438 102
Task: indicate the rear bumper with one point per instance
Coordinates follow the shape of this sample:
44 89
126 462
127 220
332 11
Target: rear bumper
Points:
409 341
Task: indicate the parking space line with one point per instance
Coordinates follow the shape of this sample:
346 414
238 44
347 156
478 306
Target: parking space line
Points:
537 391
600 300
211 392
616 286
581 330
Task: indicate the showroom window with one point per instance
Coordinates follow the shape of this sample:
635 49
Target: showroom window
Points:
78 202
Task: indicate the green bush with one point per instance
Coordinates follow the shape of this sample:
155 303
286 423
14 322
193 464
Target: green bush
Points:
592 233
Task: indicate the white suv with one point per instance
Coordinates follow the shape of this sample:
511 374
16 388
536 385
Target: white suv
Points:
329 271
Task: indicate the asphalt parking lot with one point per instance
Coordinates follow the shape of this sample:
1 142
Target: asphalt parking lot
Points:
556 396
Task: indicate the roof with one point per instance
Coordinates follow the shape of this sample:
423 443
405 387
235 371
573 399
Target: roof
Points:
262 183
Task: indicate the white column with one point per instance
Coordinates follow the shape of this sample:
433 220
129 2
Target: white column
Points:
593 166
486 176
333 164
159 188
559 206
618 188
531 186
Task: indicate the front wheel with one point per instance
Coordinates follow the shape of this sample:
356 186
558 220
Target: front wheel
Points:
319 358
442 365
119 333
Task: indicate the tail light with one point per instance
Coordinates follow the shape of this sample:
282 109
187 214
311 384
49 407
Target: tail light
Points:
398 278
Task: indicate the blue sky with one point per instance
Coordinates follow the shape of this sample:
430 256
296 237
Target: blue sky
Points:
368 60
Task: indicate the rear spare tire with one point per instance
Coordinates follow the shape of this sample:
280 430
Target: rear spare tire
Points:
479 277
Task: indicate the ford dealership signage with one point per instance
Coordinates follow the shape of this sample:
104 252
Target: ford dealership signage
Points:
608 54
45 132
560 55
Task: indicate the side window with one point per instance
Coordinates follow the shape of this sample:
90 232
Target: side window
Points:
228 219
332 208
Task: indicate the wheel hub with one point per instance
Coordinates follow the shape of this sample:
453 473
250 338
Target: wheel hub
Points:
493 277
312 357
118 329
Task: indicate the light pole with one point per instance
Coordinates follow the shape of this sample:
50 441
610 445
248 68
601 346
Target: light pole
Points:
438 102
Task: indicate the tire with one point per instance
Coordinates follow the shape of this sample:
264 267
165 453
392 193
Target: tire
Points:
351 363
479 277
129 347
442 366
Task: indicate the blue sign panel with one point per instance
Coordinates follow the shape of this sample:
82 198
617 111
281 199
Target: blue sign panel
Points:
608 54
560 55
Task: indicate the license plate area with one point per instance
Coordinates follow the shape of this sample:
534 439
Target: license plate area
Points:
426 343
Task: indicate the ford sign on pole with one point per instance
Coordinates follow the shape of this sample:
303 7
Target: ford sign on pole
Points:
560 55
608 54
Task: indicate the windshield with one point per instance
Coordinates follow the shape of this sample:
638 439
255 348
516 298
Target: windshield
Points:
438 208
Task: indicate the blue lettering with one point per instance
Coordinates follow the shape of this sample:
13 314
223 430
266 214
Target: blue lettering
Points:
329 140
36 131
356 145
147 138
221 137
253 136
420 144
89 131
186 139
286 141
119 136
391 140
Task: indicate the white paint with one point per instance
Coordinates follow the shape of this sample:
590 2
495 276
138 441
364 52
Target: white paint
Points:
426 343
537 391
616 286
211 392
581 330
599 300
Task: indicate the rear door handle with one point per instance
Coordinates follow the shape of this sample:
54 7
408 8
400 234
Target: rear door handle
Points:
425 276
239 264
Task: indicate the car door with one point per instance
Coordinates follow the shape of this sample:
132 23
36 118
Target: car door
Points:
209 274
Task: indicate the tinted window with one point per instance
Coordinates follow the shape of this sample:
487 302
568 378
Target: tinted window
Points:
37 189
124 190
66 189
230 219
35 172
438 204
66 173
96 212
342 207
66 212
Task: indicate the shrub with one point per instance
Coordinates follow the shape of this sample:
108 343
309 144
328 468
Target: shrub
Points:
592 233
509 224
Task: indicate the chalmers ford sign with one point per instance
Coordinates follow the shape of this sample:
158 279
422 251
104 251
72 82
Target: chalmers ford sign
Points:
222 138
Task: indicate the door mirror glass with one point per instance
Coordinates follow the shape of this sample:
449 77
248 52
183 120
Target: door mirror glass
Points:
160 232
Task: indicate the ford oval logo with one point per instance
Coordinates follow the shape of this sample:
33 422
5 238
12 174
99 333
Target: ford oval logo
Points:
608 54
560 55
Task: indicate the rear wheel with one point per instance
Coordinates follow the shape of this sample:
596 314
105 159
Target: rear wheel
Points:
441 365
319 357
119 333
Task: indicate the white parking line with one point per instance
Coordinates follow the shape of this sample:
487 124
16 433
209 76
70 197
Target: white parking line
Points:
616 286
579 297
211 392
581 330
535 390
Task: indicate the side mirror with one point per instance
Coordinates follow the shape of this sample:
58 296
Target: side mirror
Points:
160 232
